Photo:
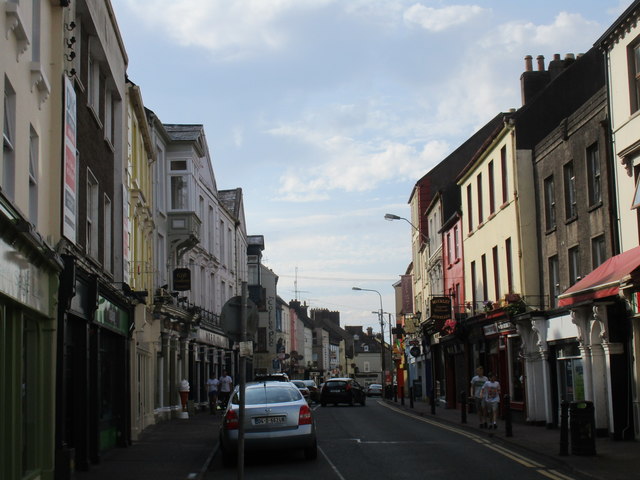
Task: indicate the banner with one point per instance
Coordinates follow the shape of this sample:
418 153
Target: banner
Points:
406 286
69 173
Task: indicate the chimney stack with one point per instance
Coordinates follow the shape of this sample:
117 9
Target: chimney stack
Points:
528 63
540 59
370 331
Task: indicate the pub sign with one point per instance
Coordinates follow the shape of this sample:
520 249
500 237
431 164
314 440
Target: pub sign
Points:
182 279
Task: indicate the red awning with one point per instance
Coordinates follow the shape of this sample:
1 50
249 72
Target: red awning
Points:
604 281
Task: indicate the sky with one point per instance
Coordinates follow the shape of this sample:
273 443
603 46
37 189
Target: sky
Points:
327 112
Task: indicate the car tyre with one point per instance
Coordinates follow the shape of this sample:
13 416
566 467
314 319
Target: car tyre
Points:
228 459
311 453
363 401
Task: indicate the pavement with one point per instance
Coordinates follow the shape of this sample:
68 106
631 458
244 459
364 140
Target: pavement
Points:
178 449
183 448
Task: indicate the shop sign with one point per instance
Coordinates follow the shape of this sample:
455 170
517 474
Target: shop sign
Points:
505 326
211 338
182 279
490 329
70 175
22 280
112 316
440 308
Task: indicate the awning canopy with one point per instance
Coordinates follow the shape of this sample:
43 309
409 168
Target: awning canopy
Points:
605 280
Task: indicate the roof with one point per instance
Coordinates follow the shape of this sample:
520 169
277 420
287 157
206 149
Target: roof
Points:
184 132
617 28
231 200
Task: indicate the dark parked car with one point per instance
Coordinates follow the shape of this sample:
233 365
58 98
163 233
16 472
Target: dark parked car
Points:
375 389
342 390
277 418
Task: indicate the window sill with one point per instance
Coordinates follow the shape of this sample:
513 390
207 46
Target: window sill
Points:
504 205
491 216
595 206
95 116
480 225
457 260
551 230
109 144
571 220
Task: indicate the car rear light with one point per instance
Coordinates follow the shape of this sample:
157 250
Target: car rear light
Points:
305 416
231 420
348 387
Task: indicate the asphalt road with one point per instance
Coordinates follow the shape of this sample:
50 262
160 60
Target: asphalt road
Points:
379 441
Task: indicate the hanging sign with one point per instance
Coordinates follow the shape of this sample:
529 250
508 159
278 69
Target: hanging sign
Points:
440 308
182 279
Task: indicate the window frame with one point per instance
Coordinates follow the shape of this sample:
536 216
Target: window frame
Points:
550 203
92 215
570 201
594 179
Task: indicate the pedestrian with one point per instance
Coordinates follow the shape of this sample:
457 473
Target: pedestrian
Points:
213 385
491 399
477 382
226 385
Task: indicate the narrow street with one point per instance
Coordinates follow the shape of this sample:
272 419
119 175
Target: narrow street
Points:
381 441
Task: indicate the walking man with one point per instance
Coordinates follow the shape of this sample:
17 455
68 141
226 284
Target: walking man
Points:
213 384
226 385
477 382
491 399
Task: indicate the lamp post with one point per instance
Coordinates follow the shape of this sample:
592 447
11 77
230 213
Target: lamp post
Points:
382 356
391 217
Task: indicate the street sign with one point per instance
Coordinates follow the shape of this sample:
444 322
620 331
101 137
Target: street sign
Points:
230 318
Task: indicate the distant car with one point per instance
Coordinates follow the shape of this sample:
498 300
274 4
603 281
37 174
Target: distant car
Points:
266 377
313 390
375 389
277 418
342 390
303 389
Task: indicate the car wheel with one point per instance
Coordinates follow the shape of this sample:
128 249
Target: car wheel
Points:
311 453
363 401
228 459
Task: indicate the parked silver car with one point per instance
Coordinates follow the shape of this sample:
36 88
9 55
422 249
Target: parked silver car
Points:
277 417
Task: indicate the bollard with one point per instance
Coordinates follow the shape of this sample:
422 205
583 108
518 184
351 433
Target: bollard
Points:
411 397
508 427
564 428
463 407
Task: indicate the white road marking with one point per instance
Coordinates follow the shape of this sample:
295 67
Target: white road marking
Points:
335 469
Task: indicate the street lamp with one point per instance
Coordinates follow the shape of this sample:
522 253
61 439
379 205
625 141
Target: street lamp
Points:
391 217
382 356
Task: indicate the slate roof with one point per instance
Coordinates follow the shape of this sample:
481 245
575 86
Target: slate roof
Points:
231 200
184 132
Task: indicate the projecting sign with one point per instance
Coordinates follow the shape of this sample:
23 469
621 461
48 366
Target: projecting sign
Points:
70 175
182 279
440 308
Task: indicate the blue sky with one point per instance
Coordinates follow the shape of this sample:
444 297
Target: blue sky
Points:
326 112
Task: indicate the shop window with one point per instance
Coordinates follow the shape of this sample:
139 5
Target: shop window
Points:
29 396
516 369
570 374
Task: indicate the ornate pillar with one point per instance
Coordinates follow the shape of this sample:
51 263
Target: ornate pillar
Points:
581 320
540 325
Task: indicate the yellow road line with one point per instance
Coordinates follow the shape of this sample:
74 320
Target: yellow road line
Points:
516 457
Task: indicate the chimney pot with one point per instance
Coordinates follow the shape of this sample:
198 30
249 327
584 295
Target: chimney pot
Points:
528 64
540 59
569 56
556 56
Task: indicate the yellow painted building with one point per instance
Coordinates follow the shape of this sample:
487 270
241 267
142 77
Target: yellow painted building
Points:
139 261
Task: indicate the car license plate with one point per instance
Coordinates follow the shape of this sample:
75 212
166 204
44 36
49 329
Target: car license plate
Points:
269 420
335 390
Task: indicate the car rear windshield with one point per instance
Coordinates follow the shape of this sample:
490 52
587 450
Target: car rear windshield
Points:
299 384
336 383
268 394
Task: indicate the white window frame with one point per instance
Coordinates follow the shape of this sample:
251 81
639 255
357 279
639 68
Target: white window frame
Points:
34 156
108 222
8 171
93 189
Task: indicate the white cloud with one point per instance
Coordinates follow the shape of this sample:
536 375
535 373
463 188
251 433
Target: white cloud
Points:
567 31
439 19
229 28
